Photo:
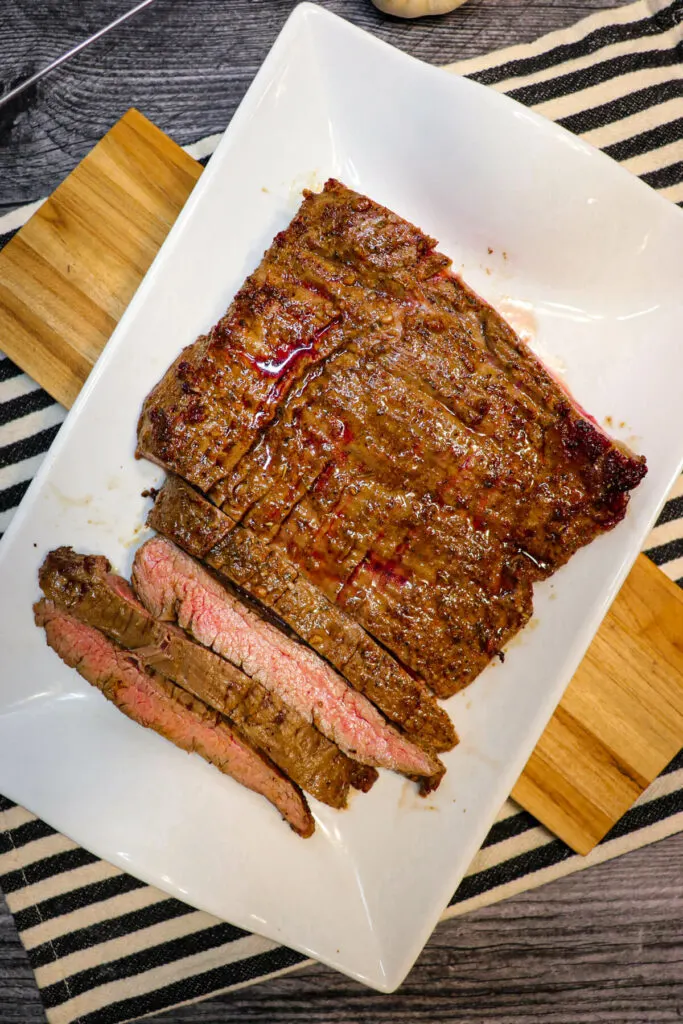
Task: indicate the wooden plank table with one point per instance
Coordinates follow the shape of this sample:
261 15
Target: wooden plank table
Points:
603 945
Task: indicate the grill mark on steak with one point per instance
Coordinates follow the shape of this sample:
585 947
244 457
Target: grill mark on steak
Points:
174 587
314 242
445 633
257 474
85 587
267 575
156 703
405 587
544 486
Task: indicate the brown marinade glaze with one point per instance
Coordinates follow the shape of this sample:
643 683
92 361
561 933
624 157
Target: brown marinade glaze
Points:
362 413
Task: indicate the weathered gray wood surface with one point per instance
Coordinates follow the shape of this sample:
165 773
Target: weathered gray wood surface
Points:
187 63
604 945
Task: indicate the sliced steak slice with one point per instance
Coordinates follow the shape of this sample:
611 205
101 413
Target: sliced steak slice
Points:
185 516
156 703
174 587
85 586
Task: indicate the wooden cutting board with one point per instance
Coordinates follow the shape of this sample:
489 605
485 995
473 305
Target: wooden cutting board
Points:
65 280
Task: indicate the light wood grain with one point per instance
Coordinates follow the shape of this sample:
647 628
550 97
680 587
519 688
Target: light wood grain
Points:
65 280
69 274
620 721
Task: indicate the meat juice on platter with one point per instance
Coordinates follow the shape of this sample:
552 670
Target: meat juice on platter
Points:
367 472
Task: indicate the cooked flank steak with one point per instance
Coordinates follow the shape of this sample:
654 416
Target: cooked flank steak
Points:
85 587
367 472
155 702
376 431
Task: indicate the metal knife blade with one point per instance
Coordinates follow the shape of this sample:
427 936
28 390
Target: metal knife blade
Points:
13 93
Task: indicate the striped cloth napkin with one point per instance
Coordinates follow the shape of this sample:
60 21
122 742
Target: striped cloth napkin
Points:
107 948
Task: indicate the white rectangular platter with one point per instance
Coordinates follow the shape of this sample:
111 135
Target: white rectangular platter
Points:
590 250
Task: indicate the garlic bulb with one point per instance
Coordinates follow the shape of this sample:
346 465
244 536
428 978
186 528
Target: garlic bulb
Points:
416 8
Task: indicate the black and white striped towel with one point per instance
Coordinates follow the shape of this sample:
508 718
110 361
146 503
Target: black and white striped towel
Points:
107 948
